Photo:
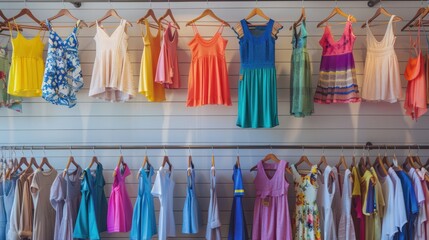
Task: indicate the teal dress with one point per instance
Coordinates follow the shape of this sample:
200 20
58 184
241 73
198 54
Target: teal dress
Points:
144 222
301 100
191 210
257 87
92 215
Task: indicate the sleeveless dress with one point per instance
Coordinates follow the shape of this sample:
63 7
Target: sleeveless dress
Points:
325 198
154 92
65 198
63 73
271 211
382 80
27 67
167 70
7 100
337 77
301 96
9 197
307 222
191 210
112 76
213 219
257 87
3 219
144 222
237 221
415 96
346 230
208 75
119 213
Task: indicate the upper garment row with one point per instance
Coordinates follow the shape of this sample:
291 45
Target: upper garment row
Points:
60 78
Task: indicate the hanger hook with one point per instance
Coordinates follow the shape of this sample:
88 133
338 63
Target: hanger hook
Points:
302 149
22 151
165 151
212 151
418 150
323 150
189 150
71 154
302 3
145 151
32 153
385 151
238 151
409 151
93 150
44 152
342 150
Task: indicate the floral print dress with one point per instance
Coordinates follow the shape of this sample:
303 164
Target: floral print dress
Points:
306 221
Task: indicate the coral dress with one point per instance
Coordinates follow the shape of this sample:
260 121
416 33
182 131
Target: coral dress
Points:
337 78
208 75
307 222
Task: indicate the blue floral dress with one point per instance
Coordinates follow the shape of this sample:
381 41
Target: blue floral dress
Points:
63 73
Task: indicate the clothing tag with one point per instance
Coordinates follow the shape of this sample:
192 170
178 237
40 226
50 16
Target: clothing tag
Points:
266 202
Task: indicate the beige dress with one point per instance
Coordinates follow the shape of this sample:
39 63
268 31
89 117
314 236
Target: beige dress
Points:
44 213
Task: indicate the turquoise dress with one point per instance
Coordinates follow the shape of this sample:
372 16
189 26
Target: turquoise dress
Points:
92 215
144 222
257 87
191 210
301 100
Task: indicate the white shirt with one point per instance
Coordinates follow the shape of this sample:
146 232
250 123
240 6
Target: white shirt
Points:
389 228
400 215
163 189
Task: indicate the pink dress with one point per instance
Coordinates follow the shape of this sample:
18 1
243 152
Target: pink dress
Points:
271 205
167 71
120 211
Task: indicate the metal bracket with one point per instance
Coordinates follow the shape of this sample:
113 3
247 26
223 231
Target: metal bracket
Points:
76 4
372 3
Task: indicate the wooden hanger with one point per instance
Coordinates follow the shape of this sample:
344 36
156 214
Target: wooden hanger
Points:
70 161
208 12
93 160
300 19
336 11
118 165
3 16
150 13
273 157
166 161
169 13
22 162
26 11
45 162
412 23
190 165
342 162
378 164
144 164
66 12
213 165
409 163
110 13
257 12
382 11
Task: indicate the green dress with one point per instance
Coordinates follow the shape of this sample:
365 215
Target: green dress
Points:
6 100
301 100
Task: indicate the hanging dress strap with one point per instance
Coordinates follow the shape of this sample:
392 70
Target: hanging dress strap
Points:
415 44
220 30
76 27
194 27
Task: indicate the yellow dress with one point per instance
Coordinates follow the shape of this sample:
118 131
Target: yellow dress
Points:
27 67
153 91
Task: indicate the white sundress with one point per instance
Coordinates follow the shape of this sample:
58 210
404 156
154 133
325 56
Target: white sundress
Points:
346 229
112 77
382 80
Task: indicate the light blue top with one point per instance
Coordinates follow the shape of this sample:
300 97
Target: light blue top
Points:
144 222
191 210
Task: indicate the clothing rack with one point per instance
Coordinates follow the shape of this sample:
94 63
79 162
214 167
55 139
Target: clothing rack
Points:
367 146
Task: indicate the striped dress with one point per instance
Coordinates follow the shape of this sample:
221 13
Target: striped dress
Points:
337 78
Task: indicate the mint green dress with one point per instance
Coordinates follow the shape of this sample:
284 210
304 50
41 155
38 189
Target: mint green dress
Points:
6 100
301 100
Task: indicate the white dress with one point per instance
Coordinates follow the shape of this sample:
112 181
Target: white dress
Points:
112 77
346 229
382 80
324 200
389 228
400 216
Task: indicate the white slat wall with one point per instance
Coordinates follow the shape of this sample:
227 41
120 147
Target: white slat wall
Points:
93 122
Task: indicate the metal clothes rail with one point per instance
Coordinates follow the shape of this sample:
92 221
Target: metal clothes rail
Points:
367 146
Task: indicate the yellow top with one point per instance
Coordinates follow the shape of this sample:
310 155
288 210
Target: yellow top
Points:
373 222
356 182
27 67
154 92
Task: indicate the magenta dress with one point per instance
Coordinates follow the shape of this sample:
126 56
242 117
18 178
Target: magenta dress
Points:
120 211
271 213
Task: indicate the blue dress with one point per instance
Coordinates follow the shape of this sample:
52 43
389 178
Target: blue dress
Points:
63 73
257 87
191 210
237 222
144 222
411 207
9 197
3 219
92 216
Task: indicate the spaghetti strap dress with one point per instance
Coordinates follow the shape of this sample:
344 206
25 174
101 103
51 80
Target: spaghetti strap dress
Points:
63 73
382 80
112 76
271 219
167 70
191 211
257 86
301 95
307 221
154 92
415 97
27 67
208 82
337 76
7 100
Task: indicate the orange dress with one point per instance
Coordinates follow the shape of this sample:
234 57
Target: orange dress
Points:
208 76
